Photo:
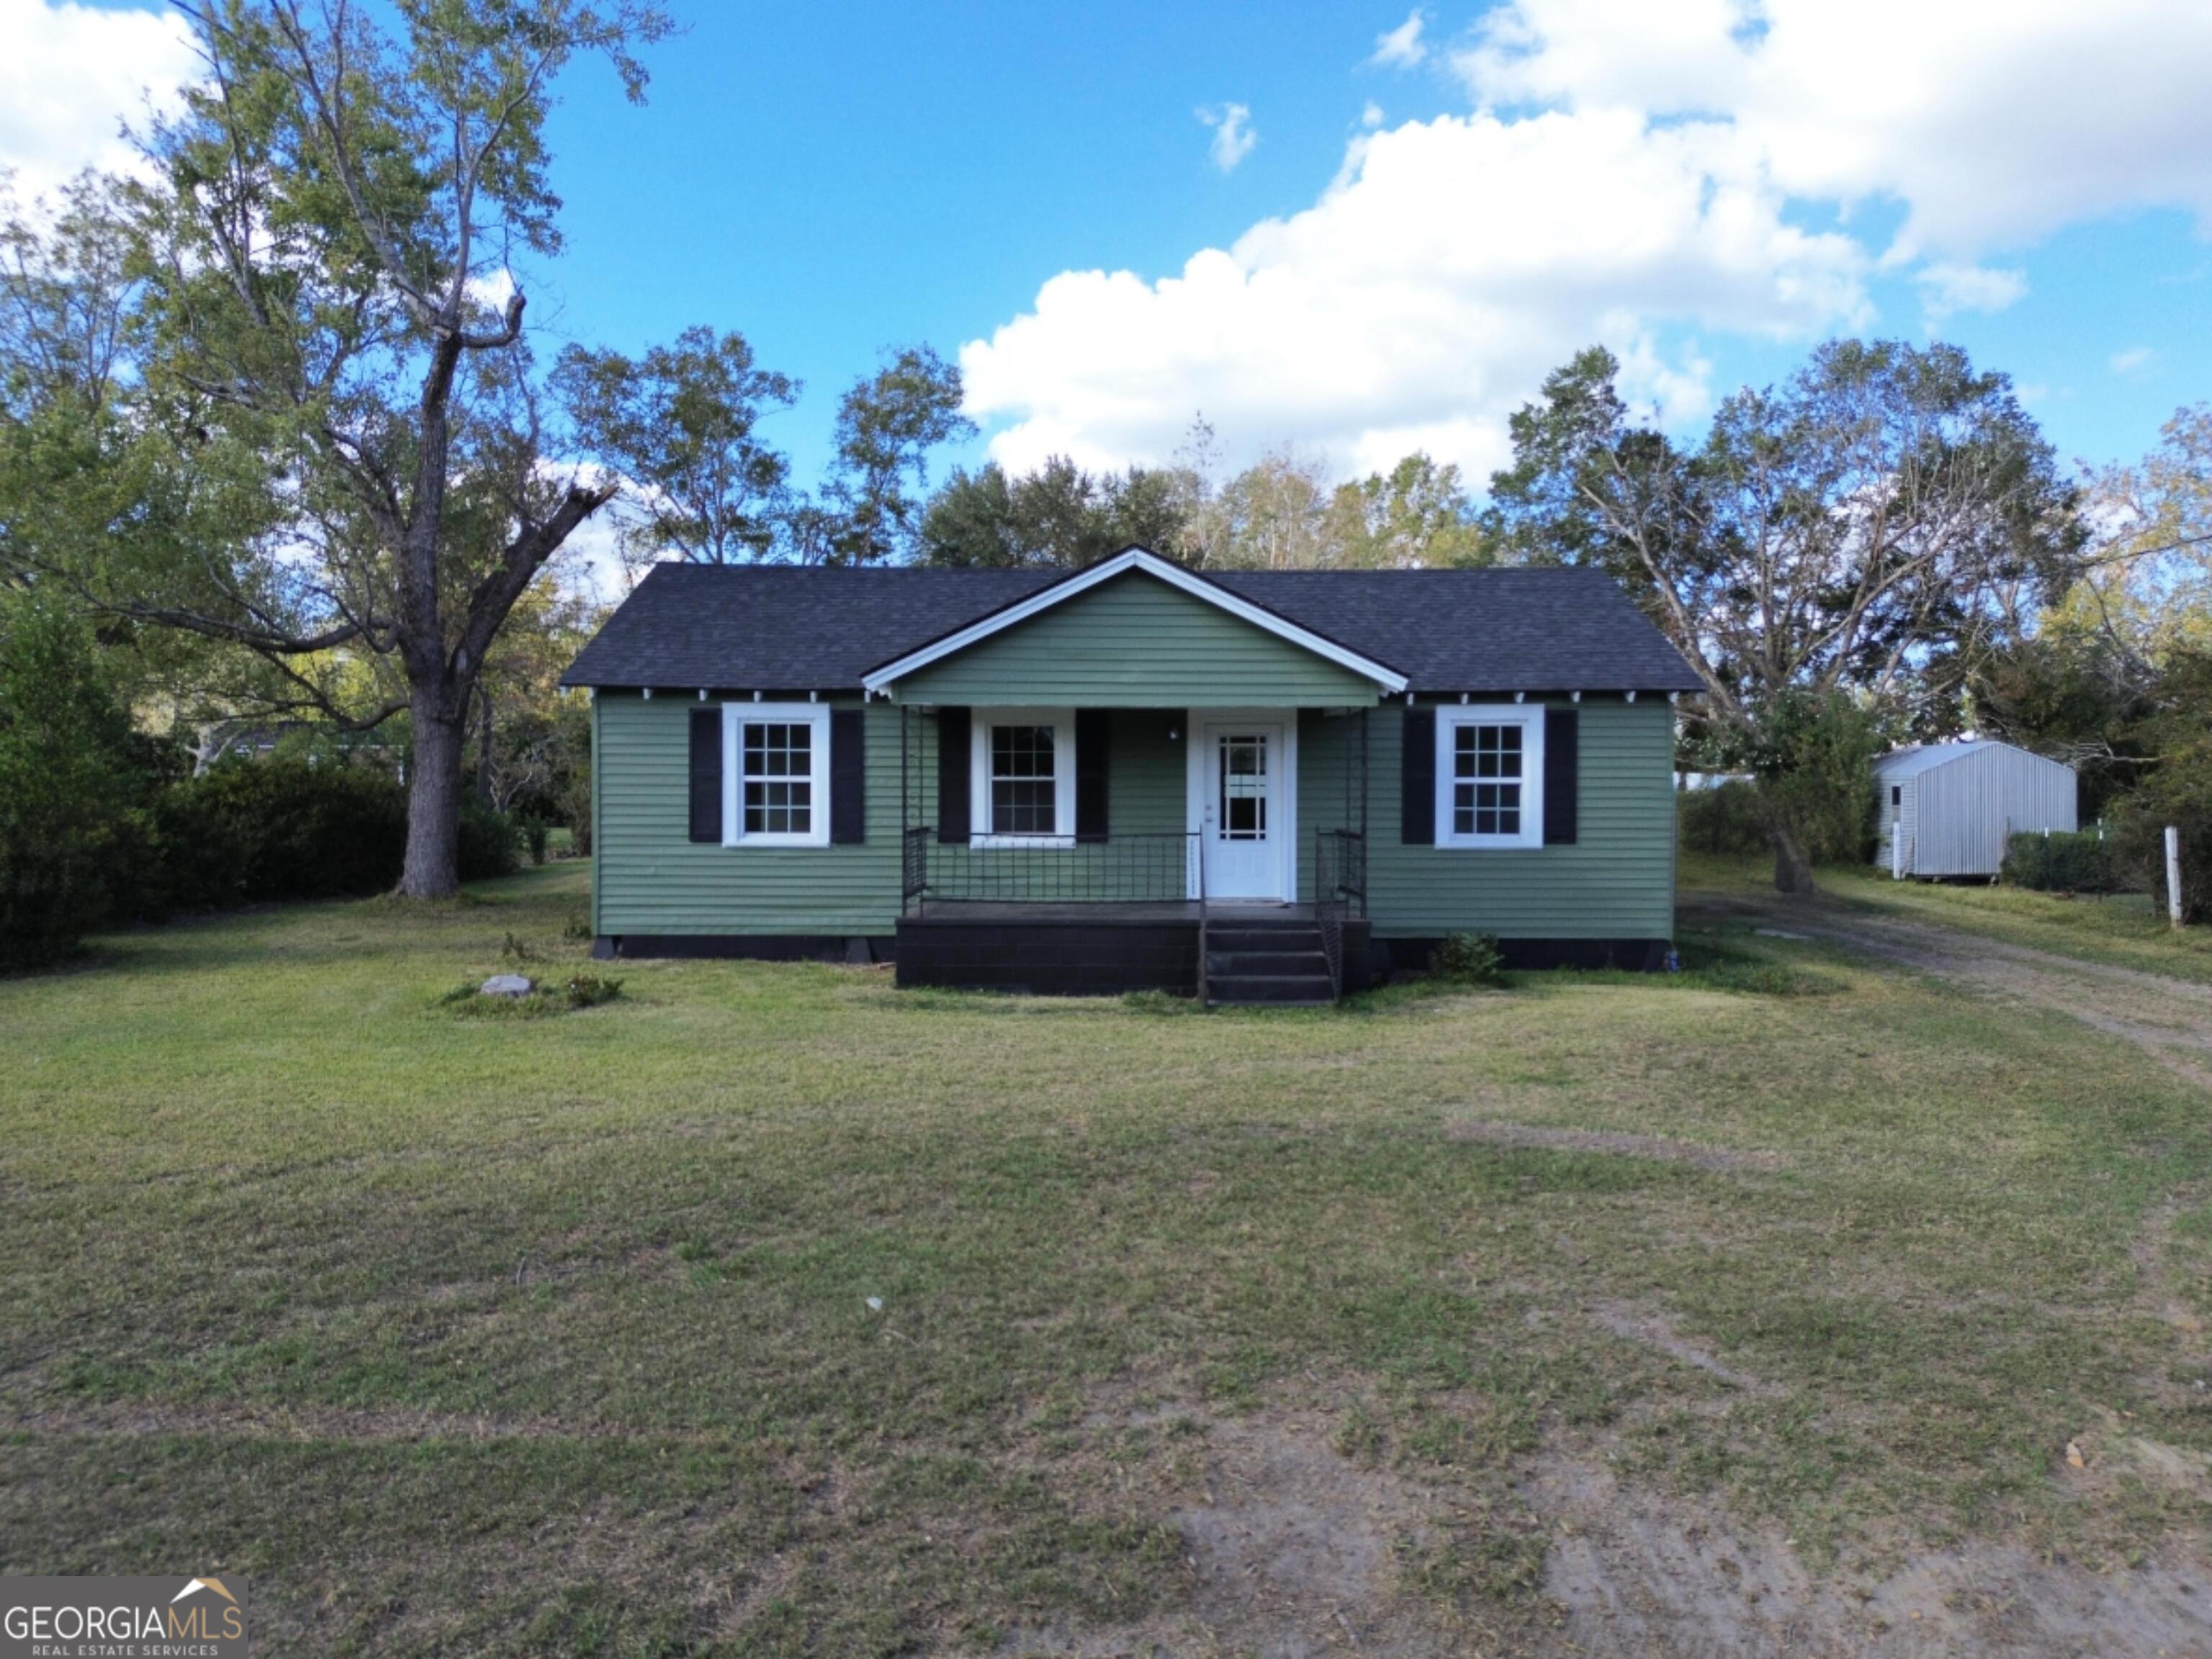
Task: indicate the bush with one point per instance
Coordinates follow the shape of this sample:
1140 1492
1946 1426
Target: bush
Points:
2064 864
1726 820
70 770
247 830
490 842
1468 959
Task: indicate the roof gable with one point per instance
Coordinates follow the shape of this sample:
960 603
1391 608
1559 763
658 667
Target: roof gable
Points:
1138 562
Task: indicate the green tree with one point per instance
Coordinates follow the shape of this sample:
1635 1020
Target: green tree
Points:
1867 531
1058 516
333 349
870 510
681 423
69 775
1418 516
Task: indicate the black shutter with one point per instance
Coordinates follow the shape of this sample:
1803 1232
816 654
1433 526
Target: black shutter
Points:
1091 729
707 775
848 776
1417 822
1562 774
953 777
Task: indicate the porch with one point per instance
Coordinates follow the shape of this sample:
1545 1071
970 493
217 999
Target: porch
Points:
1037 853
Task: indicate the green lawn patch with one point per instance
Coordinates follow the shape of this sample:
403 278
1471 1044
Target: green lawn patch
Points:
770 1309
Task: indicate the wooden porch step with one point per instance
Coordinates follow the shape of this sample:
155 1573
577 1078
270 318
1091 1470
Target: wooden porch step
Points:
1276 990
1247 963
1276 960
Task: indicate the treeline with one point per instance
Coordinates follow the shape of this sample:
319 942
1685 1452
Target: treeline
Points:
1280 514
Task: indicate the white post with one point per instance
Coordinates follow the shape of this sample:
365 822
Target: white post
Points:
1897 852
2174 874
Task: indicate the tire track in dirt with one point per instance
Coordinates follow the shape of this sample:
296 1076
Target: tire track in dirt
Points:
2168 1020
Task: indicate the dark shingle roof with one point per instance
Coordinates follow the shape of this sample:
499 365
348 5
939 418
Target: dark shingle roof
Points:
784 627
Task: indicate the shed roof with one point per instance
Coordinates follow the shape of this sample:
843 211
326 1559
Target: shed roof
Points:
814 628
1915 758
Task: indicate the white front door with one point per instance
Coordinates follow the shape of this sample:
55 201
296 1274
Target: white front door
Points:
1243 816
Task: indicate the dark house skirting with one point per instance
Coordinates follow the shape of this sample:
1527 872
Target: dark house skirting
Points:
756 947
1064 958
1084 958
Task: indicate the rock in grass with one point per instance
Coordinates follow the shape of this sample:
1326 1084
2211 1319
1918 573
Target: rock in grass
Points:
506 984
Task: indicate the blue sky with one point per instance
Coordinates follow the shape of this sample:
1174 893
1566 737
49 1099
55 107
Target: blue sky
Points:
1708 187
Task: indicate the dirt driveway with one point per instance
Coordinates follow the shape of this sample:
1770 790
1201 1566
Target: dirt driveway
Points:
2169 1019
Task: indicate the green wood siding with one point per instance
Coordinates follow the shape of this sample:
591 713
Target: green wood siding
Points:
649 878
1135 643
1616 882
652 878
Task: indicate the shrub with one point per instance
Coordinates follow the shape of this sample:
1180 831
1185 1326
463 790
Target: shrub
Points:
578 991
70 771
2064 864
490 842
1468 959
247 830
537 834
1723 821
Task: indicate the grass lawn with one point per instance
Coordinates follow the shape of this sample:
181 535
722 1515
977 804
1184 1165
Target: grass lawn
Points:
2126 929
556 1335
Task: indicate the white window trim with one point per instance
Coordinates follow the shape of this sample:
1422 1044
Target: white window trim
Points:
1062 722
736 716
1530 717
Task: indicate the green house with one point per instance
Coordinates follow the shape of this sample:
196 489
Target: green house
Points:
1249 785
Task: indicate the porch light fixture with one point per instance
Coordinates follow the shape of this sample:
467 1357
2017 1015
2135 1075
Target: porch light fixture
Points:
646 692
1520 696
1631 697
1574 697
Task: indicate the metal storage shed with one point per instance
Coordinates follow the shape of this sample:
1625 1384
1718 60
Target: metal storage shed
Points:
1948 808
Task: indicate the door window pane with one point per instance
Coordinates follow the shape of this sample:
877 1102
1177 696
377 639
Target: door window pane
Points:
1243 788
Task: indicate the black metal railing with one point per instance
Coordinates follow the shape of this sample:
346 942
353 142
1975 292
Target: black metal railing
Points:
1339 891
913 865
1142 869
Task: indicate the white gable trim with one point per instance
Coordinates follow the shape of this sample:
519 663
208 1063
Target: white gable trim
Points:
1386 679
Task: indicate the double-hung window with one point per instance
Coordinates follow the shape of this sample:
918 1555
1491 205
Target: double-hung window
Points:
775 768
1023 765
1490 776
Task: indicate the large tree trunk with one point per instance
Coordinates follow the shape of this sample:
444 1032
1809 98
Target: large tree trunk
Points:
433 866
1793 870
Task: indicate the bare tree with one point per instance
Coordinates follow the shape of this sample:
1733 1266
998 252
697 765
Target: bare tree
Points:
336 351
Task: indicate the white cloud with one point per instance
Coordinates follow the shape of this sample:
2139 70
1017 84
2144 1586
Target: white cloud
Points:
1947 289
1452 264
1994 121
2133 361
1401 47
1636 173
1233 137
1370 115
69 74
